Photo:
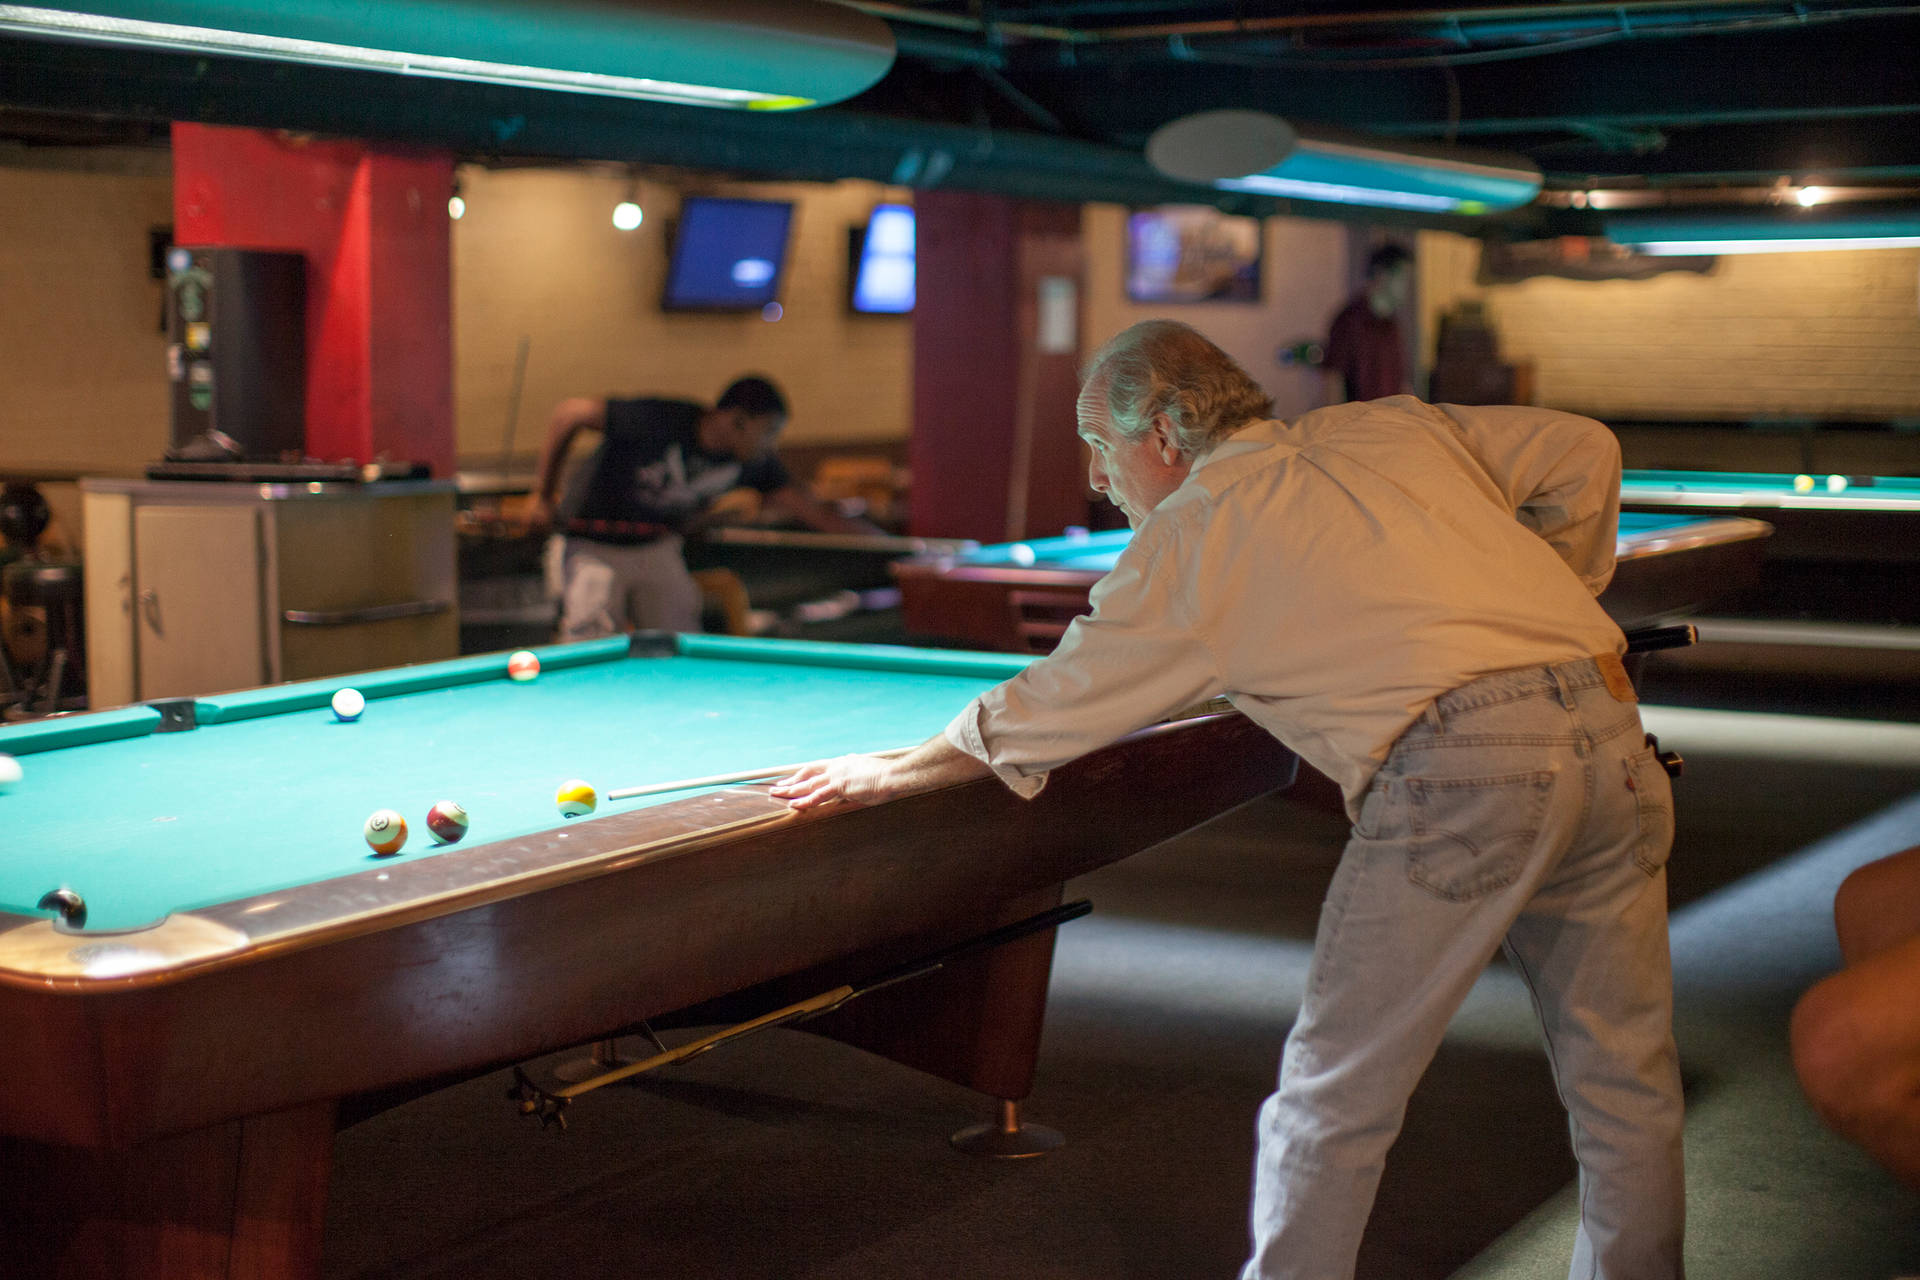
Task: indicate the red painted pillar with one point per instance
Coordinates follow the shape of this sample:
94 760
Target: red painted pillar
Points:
373 225
996 337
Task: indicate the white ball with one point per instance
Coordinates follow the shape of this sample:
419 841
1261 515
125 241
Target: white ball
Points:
10 773
348 704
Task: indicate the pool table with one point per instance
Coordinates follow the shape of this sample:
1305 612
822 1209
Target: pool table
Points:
247 974
1020 596
1845 554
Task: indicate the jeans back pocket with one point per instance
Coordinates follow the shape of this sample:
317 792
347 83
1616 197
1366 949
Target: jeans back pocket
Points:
1472 836
1653 796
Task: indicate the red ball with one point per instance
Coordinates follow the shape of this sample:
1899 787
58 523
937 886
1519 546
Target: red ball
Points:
523 666
447 822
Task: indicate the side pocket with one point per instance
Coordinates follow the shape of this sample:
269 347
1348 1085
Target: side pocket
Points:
1653 799
1472 836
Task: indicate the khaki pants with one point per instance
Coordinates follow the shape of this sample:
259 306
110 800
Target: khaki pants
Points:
606 589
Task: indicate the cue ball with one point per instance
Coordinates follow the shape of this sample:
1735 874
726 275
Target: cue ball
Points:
348 704
385 832
523 666
1836 484
575 798
1803 484
446 822
10 773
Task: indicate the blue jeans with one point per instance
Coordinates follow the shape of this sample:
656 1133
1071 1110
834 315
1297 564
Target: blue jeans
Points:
1523 810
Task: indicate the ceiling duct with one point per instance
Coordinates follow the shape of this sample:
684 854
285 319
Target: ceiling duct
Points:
767 55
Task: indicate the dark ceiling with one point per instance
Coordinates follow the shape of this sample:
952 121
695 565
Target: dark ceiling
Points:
1680 97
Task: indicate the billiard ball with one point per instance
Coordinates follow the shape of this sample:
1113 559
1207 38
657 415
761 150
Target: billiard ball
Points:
385 832
575 798
1836 484
1803 484
10 773
523 666
446 822
348 704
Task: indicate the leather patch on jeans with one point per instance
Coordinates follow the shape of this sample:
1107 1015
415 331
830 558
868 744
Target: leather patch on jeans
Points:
1614 672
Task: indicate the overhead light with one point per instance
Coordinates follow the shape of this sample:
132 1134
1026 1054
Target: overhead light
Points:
1258 152
767 55
627 215
1761 231
1810 196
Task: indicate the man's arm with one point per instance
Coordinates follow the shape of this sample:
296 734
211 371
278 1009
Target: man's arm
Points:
1559 472
570 418
1129 663
934 764
795 501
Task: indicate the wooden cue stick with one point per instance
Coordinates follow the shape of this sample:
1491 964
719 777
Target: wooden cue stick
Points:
727 779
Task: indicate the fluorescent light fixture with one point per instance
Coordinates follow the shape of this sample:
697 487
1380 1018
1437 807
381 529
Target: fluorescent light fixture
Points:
764 55
1829 227
1255 151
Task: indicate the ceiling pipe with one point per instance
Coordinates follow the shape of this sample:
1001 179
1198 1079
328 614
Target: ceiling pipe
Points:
1283 24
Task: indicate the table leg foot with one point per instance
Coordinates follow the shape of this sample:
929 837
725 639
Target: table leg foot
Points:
1009 1138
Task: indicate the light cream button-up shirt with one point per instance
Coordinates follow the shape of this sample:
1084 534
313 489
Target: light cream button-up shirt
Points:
1332 576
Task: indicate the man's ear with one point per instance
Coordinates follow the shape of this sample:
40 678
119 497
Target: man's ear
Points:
1166 443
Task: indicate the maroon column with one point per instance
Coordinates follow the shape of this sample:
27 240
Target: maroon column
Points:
996 351
373 226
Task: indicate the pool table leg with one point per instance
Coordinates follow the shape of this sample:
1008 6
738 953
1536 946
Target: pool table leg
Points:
976 1022
244 1200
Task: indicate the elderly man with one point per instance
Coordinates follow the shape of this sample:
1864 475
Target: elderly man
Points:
1404 595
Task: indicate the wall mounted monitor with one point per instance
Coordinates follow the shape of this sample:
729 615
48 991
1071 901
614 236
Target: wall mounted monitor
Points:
881 264
1192 253
727 254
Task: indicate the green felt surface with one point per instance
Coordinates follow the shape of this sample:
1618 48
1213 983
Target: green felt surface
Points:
1760 486
272 791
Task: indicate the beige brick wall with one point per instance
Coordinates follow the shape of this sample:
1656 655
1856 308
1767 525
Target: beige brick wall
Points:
1820 335
83 379
1303 283
537 255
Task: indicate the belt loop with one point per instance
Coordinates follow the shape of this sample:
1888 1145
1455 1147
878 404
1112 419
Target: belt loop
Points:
1431 717
1560 682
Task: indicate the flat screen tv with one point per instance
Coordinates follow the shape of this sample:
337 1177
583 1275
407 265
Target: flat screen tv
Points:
881 265
727 254
1192 253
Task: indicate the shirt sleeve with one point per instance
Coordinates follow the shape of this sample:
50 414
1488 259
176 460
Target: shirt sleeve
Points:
1136 659
1560 474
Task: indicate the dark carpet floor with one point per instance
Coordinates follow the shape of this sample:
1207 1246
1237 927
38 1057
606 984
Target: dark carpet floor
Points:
785 1156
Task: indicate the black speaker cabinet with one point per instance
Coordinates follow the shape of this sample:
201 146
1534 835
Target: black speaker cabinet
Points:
237 352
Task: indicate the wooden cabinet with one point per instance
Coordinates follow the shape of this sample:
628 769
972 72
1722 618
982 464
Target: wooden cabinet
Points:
199 587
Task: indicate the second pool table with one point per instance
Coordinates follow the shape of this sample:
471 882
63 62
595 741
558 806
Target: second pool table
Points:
247 974
1020 596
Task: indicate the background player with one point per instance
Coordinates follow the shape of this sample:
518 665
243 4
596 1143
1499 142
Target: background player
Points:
664 469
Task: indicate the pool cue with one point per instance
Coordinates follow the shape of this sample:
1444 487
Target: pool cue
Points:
744 775
550 1105
513 408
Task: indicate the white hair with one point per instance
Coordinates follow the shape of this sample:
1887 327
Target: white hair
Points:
1163 366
